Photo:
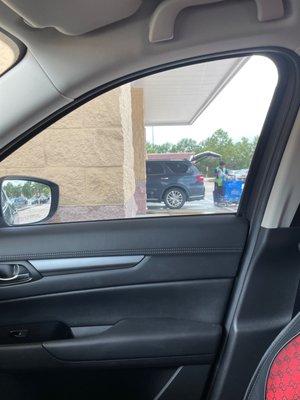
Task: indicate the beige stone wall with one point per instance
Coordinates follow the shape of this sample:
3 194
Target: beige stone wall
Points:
94 154
128 152
139 133
7 56
139 140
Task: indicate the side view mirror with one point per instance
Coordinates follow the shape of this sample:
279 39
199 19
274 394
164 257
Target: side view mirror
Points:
26 200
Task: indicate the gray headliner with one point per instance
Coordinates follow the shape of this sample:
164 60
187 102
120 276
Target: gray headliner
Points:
76 64
69 17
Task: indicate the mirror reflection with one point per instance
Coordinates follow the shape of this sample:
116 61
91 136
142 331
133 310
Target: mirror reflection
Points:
24 201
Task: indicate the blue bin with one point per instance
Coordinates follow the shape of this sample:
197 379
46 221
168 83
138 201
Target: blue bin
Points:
233 191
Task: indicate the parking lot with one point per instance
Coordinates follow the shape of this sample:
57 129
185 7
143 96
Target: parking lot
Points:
30 214
205 206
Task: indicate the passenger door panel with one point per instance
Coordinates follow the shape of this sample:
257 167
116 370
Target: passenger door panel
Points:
119 294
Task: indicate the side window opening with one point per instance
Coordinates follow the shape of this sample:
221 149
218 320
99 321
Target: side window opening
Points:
8 53
176 142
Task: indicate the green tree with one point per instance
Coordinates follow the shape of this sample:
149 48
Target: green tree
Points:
185 145
12 190
27 189
243 152
237 155
159 148
219 142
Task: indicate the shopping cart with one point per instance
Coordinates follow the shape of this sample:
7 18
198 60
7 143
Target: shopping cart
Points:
233 190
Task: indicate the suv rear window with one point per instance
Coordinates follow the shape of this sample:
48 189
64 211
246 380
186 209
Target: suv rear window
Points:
154 168
194 170
178 167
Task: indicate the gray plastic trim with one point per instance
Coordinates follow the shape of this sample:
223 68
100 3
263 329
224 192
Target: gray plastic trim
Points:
73 17
163 20
67 265
282 204
162 23
84 331
27 95
169 382
269 10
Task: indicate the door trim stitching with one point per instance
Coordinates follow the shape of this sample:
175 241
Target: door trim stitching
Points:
121 252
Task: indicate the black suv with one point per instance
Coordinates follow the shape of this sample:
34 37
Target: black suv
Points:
174 182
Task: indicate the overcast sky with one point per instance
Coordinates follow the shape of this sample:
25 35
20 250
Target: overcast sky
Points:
240 108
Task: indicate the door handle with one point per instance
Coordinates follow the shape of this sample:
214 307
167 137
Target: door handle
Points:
9 272
14 273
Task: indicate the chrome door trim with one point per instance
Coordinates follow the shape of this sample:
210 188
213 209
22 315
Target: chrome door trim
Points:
83 264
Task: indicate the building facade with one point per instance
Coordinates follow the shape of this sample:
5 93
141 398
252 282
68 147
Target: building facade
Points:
96 154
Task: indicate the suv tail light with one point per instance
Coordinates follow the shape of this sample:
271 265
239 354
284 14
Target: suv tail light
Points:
199 178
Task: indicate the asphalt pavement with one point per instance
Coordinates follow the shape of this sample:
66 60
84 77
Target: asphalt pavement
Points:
205 206
32 214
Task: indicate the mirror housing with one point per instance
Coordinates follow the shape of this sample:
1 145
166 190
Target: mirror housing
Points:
27 200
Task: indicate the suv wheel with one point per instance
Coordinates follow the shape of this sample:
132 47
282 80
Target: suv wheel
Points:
174 198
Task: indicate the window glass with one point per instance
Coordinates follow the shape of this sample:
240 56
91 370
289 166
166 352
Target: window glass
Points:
178 167
154 168
197 126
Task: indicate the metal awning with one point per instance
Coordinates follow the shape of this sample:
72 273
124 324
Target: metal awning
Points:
179 96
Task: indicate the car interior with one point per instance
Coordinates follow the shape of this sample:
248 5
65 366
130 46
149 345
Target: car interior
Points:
174 307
